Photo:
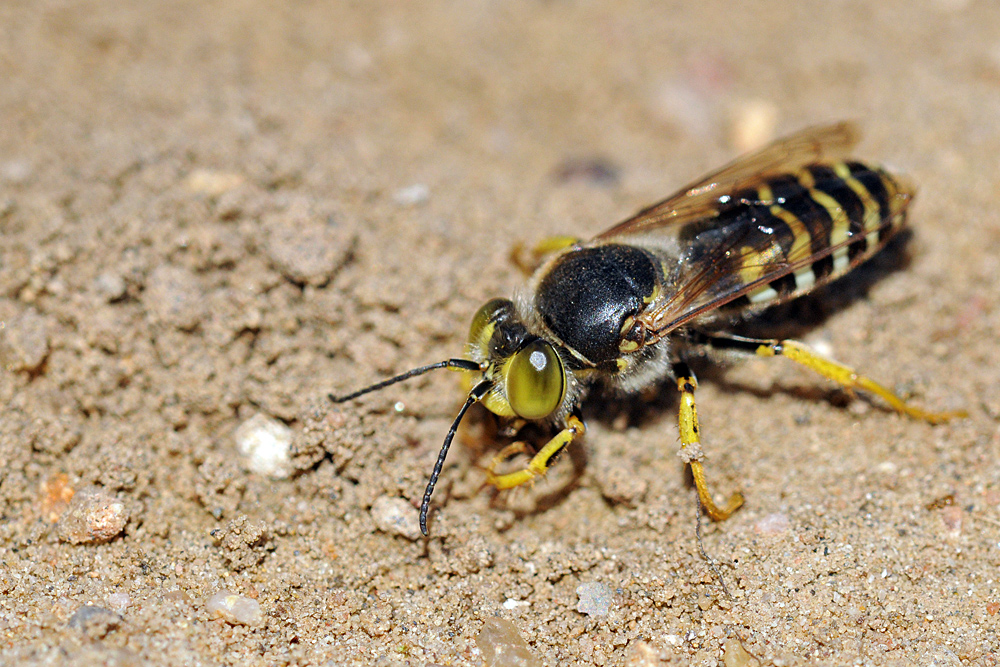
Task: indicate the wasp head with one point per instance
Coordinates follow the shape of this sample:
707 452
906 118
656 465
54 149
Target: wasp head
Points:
526 374
512 372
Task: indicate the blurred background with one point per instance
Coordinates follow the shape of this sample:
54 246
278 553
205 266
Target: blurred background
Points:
211 211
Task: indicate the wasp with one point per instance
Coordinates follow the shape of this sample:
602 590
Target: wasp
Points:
634 305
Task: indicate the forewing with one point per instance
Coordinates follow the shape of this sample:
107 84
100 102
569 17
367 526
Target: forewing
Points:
701 199
740 257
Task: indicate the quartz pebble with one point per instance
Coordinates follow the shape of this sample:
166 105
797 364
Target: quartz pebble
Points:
119 601
773 524
734 655
234 609
595 598
94 516
502 645
264 444
411 195
213 183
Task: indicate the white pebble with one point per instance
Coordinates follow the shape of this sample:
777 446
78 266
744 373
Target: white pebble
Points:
111 285
396 517
511 603
234 609
595 598
264 444
119 602
773 524
15 171
411 195
213 183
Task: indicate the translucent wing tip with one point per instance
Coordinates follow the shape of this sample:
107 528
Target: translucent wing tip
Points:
841 136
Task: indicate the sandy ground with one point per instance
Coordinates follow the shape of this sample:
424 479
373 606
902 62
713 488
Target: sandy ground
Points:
214 210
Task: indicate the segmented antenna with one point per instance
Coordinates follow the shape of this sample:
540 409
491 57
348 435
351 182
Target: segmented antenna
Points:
461 364
476 394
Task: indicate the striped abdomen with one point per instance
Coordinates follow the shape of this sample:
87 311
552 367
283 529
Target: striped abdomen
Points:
822 220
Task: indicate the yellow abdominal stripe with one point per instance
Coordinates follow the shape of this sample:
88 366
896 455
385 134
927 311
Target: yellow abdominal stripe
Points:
755 263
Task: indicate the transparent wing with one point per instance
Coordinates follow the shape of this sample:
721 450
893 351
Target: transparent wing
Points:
777 249
700 201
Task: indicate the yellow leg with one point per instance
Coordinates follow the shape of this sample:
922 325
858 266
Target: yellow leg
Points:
539 463
529 260
691 450
849 378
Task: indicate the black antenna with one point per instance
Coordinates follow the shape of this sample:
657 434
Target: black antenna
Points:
461 364
476 394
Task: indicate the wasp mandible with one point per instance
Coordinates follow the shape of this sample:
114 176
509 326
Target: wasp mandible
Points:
636 303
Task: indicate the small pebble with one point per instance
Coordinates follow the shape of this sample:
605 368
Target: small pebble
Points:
119 601
395 516
264 444
411 195
952 517
620 484
94 621
94 516
234 609
734 655
111 286
595 598
502 645
24 341
211 182
937 655
306 250
15 171
772 524
56 496
643 654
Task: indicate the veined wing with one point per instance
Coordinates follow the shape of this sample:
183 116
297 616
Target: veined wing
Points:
702 199
789 233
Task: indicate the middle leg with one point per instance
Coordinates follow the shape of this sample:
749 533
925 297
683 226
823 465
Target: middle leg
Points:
691 451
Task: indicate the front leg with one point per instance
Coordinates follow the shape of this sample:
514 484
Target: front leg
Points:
691 450
539 463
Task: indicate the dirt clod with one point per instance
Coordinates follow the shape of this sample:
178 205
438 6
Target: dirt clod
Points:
245 542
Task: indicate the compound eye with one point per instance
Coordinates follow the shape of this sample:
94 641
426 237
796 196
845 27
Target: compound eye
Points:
536 381
485 319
